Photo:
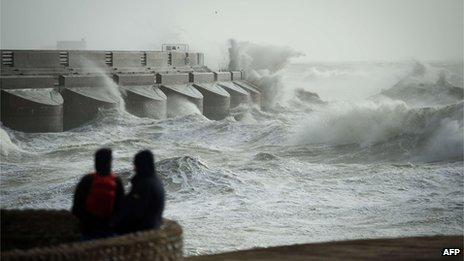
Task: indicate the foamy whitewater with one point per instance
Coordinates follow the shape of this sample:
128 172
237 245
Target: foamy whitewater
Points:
379 155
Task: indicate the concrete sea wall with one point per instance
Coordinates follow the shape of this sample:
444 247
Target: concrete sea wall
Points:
56 90
142 98
47 234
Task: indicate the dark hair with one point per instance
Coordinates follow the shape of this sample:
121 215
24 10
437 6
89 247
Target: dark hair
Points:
103 159
144 163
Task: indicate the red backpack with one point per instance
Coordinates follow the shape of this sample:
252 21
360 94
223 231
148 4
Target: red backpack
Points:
100 201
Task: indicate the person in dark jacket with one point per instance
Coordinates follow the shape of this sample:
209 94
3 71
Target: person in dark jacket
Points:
144 205
98 198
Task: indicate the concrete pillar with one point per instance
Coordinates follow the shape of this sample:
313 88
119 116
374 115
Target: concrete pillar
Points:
216 101
238 95
178 85
31 104
32 110
254 92
84 95
142 98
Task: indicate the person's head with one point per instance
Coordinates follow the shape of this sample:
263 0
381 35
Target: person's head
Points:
103 159
144 163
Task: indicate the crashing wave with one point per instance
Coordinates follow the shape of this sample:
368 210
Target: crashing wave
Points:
307 96
262 65
316 72
179 106
425 86
186 174
6 145
431 134
247 113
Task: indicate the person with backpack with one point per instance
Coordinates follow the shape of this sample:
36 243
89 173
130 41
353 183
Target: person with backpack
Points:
98 198
144 205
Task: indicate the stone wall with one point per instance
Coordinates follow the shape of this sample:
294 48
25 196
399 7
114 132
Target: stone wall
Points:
53 235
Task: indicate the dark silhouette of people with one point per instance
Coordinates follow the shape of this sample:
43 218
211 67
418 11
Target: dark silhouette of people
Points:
143 206
98 198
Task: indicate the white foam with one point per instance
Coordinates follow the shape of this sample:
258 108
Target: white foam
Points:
262 65
110 88
425 85
382 121
6 145
179 106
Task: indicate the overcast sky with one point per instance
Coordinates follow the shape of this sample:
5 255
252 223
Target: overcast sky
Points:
325 30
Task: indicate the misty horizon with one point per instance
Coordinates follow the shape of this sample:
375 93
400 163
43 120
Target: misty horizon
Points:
324 31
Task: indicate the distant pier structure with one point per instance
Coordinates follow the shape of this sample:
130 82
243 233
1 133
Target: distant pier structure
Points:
58 90
71 45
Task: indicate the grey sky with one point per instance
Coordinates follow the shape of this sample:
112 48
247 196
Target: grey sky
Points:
325 30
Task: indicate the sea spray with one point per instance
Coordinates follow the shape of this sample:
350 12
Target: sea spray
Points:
446 143
114 90
425 85
109 87
181 106
6 145
347 81
261 65
433 133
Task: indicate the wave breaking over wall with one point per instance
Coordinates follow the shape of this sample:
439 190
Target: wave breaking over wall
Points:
262 65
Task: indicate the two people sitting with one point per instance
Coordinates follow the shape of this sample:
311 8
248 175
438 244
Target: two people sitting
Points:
104 210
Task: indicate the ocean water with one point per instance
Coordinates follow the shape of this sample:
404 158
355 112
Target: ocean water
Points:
378 154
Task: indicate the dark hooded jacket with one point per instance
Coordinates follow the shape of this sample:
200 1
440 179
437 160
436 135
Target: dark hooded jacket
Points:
90 224
143 206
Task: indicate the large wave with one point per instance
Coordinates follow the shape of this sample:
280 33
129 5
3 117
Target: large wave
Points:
262 65
426 86
431 134
187 174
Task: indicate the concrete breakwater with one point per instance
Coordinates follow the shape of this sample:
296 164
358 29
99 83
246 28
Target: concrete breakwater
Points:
53 91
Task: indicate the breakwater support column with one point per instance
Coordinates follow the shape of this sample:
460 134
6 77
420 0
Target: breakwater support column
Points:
216 100
255 93
142 98
56 90
31 103
177 84
238 95
84 96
